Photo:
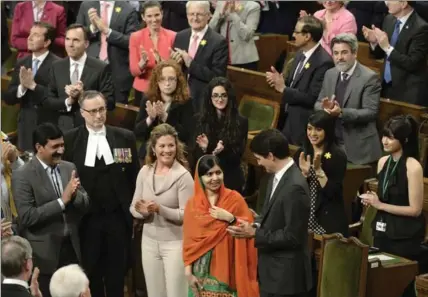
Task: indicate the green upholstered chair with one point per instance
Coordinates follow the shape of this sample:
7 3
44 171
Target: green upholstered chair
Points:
261 113
343 267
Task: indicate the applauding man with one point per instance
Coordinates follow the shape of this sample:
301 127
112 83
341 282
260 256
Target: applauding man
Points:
50 203
29 83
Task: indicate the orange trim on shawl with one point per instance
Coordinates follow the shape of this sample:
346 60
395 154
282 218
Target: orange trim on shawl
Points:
234 261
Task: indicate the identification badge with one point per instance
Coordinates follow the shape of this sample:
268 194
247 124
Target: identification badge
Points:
381 226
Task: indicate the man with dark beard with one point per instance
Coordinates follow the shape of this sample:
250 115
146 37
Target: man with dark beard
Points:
351 92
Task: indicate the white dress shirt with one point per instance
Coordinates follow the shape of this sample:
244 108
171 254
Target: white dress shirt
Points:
200 35
13 281
46 168
109 13
38 13
80 66
277 177
21 90
98 147
349 72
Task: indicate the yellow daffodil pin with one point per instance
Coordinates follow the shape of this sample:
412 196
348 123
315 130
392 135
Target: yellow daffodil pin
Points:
118 9
327 155
203 42
307 65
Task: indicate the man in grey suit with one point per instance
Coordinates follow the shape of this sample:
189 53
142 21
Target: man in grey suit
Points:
351 92
50 203
281 230
110 23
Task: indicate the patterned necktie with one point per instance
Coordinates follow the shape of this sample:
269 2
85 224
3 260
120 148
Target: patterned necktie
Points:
75 74
35 66
104 16
387 73
193 46
298 67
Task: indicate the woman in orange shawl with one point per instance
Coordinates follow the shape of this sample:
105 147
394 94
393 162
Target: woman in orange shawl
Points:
216 263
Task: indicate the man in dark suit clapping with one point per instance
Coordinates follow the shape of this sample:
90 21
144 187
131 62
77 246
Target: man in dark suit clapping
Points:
280 232
110 23
203 52
70 76
29 83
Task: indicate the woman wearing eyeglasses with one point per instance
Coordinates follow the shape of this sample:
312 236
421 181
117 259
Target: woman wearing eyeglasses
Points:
222 131
166 101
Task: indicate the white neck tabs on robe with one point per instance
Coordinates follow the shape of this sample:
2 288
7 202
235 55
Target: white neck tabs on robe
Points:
98 147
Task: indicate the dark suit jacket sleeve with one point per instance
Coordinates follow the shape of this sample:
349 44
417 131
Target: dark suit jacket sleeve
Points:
51 99
369 104
29 213
290 237
219 64
81 199
141 129
232 154
106 86
416 54
184 121
335 173
83 19
307 99
120 39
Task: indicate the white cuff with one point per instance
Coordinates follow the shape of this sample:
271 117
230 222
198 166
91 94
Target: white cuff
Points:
109 32
67 107
61 203
149 121
373 46
21 91
389 51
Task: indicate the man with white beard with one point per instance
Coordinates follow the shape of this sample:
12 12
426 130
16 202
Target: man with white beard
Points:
351 92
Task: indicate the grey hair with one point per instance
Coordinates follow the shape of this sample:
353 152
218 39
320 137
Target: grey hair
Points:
90 94
68 281
15 251
205 4
348 38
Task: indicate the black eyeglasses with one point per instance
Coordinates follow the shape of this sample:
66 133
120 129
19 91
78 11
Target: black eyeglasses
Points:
219 96
94 112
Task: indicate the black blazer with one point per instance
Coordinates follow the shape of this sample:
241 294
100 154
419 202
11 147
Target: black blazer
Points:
282 239
174 15
300 95
124 21
329 205
12 290
96 75
125 174
210 61
5 48
180 116
408 60
32 112
230 158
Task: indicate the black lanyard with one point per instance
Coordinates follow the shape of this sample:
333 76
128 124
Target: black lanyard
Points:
388 176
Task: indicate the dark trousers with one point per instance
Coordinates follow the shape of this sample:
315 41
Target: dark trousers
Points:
106 241
122 96
264 294
67 256
137 98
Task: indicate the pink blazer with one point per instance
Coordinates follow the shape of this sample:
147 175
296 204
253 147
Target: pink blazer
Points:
23 19
343 22
141 38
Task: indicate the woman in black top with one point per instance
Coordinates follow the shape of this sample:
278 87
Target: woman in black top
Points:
323 163
166 101
222 131
399 225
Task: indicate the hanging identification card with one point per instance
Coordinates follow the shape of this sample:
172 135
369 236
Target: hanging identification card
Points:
381 226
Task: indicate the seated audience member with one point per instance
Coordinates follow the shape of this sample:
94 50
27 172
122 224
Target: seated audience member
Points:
203 52
70 281
166 101
163 188
17 268
174 15
208 213
27 13
304 81
237 21
10 161
351 93
148 46
29 83
367 13
399 225
110 23
323 164
403 42
222 131
70 76
337 19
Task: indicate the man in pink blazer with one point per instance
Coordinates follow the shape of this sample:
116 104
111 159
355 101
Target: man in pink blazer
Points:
26 13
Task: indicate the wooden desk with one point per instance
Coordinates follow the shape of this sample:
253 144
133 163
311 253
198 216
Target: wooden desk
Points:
123 116
390 278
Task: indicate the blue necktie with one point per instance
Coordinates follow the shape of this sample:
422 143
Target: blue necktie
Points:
35 66
387 73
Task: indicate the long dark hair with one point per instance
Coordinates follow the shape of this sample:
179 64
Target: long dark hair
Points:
323 120
206 163
209 122
405 129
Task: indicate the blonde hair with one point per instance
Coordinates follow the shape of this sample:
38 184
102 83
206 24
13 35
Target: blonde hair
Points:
158 132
